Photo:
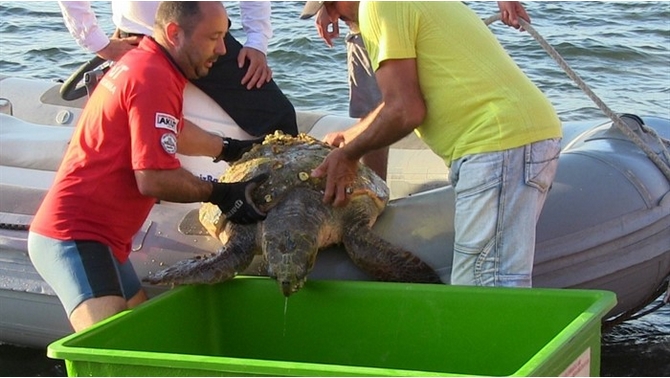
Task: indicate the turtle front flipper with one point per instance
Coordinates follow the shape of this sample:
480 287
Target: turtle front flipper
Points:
235 256
385 261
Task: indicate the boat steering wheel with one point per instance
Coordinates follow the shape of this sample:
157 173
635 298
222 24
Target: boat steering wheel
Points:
73 88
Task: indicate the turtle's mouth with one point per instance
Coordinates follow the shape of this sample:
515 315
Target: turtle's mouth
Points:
290 276
290 256
289 287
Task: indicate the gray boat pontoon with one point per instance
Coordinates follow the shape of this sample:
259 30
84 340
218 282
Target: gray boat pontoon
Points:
606 223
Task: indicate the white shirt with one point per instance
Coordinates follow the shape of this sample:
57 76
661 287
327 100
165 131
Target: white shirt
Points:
138 17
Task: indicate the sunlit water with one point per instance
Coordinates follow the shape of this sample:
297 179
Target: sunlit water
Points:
620 49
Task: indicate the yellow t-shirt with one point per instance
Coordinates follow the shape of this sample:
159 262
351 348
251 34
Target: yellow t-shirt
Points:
477 99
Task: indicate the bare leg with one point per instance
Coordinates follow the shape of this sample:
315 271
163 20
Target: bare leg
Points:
138 299
93 310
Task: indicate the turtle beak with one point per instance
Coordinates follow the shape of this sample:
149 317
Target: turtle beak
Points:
290 287
290 257
286 289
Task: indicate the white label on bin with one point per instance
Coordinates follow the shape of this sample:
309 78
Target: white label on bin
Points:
581 367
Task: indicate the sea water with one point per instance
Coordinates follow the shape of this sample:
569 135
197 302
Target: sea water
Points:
620 49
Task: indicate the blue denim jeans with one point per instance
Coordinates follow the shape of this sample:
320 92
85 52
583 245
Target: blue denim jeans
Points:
499 197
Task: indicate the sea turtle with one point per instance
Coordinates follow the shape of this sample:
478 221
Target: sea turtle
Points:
298 223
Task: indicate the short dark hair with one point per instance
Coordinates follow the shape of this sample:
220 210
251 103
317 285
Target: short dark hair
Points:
185 13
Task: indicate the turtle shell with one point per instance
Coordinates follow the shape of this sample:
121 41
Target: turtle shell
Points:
288 161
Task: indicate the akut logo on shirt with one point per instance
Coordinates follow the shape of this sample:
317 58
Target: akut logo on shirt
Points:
167 121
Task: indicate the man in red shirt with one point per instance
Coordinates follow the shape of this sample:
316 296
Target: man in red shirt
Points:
121 159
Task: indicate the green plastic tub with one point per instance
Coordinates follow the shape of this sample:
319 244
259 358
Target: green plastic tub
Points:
342 328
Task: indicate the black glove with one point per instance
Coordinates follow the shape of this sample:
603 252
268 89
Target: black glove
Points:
234 200
233 149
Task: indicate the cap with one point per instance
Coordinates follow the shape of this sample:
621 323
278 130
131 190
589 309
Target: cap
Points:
310 9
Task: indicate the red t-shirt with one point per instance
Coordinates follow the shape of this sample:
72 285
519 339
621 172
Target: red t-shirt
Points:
130 123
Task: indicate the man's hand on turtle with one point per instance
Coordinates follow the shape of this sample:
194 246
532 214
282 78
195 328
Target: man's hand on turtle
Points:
233 149
234 200
335 139
340 172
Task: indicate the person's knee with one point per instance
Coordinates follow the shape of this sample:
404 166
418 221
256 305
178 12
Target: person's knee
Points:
94 310
138 299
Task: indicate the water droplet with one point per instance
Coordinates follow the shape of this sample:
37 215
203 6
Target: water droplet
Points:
285 310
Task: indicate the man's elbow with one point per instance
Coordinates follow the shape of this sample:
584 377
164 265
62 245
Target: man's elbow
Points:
411 114
416 114
147 184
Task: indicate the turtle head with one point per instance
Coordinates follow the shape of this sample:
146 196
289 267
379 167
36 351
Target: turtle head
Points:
290 258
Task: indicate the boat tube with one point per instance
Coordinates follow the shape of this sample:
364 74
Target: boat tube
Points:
605 224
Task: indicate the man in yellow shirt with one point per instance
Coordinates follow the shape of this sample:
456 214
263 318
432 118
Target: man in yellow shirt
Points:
444 75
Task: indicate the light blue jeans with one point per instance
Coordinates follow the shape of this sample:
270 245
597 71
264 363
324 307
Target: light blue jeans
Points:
499 197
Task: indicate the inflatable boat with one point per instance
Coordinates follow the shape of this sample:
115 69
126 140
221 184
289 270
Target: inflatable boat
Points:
605 225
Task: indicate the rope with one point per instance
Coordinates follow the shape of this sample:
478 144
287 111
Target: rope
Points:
663 166
635 312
